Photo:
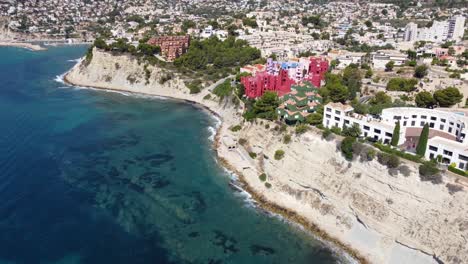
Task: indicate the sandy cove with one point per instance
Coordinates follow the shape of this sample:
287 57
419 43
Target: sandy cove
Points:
376 217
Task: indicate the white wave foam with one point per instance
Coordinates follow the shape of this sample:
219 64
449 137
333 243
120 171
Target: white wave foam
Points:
212 131
75 60
59 78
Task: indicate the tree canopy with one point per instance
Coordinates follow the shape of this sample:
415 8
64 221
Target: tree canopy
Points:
222 54
448 97
402 84
425 99
420 71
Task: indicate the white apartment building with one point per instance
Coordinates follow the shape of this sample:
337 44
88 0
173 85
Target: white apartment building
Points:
351 58
456 28
447 129
440 31
380 58
411 32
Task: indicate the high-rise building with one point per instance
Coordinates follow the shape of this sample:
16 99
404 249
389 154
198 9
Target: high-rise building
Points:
456 28
440 31
411 32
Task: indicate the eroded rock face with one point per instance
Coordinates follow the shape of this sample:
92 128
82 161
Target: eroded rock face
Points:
389 219
106 70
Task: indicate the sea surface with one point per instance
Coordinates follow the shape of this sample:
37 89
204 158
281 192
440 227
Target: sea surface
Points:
90 176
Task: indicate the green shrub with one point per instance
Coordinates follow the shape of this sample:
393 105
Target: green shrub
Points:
283 128
287 139
347 147
242 141
279 154
262 177
268 185
336 130
388 149
236 128
370 154
207 97
253 155
457 171
301 129
389 160
428 171
326 133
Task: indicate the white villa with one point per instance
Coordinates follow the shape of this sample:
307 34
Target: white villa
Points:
447 129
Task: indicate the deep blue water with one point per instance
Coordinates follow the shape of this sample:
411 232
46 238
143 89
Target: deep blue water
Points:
96 177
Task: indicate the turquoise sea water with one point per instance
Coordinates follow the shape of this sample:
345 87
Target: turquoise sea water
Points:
97 177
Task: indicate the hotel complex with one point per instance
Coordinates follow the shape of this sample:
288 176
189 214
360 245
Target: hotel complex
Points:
447 129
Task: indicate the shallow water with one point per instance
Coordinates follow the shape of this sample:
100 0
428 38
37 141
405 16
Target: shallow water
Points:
97 177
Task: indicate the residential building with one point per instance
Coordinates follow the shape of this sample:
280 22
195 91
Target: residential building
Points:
346 59
456 28
411 32
380 58
256 86
279 76
447 129
172 47
299 103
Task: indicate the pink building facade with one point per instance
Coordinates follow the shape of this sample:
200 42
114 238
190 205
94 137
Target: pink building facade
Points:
279 77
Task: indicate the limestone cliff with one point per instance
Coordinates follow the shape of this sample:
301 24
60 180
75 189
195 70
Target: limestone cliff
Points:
387 219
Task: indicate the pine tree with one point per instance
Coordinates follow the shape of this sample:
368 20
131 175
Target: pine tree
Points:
396 134
422 144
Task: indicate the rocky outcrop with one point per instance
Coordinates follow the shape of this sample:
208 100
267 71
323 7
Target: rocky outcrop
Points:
385 218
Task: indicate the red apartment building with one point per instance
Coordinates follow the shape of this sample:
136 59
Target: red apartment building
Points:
256 86
172 47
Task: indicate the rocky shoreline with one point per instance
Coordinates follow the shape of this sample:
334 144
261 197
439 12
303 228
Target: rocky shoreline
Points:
374 216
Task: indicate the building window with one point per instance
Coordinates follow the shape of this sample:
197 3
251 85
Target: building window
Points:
458 125
442 120
431 156
346 121
376 130
433 118
328 116
450 130
414 116
337 118
423 117
404 123
431 125
451 123
388 134
441 127
433 148
328 109
337 112
422 123
462 157
448 153
413 123
366 128
461 166
397 117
